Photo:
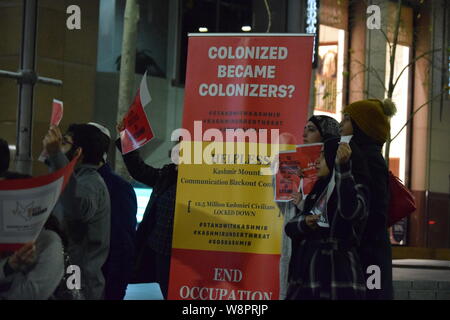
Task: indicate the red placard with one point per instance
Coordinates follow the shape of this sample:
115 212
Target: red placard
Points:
287 180
137 130
307 156
57 112
55 119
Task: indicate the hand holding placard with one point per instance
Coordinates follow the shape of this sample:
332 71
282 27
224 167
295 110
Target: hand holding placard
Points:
55 119
53 140
120 127
23 258
344 151
135 130
312 220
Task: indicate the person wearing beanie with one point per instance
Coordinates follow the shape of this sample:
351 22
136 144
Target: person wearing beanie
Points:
118 267
368 122
324 263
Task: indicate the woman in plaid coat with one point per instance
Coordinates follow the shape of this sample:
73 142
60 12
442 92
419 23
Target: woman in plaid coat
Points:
326 233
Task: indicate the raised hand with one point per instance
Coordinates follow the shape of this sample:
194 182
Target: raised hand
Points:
344 153
53 140
23 258
311 221
120 126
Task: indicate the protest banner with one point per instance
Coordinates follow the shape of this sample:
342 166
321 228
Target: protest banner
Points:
137 131
25 205
250 91
297 171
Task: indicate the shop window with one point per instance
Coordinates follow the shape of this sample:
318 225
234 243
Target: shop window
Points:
400 98
328 84
151 45
210 16
397 153
398 150
329 81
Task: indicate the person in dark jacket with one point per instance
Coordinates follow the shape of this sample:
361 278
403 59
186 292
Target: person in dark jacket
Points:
154 233
118 267
368 122
325 234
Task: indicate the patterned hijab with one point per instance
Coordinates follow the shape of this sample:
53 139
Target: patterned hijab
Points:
327 126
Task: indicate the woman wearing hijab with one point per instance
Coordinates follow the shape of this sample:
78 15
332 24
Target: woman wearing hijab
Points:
324 262
320 128
368 122
317 129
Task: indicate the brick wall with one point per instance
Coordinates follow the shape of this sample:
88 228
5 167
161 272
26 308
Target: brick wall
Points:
422 290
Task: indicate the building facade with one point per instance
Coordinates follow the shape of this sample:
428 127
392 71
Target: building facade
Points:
352 62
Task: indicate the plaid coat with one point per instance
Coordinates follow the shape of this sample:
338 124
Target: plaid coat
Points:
324 262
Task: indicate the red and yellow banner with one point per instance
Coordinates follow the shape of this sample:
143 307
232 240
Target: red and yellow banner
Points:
245 96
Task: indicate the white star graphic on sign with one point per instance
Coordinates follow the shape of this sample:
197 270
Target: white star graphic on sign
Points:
23 211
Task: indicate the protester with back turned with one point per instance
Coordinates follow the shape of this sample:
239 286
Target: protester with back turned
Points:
368 121
84 206
154 233
119 265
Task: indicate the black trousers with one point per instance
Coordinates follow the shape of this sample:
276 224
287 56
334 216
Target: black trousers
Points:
162 270
378 253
